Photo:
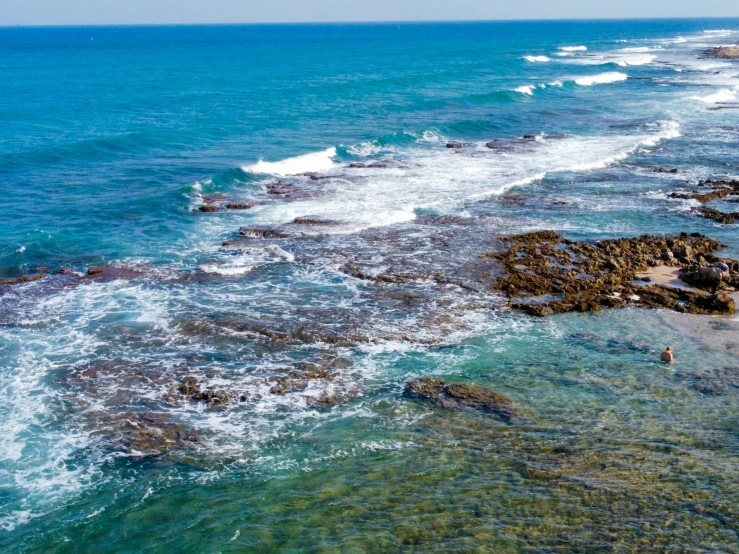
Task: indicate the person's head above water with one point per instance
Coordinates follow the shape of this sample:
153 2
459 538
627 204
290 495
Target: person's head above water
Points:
668 349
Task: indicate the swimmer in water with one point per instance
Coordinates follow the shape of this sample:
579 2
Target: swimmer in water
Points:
667 355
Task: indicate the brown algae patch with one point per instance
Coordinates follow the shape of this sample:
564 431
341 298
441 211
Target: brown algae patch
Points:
544 274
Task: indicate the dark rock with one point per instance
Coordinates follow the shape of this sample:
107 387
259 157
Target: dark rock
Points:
710 278
261 233
213 198
191 389
684 253
189 386
664 170
147 434
720 303
458 145
329 400
313 221
212 396
718 190
23 279
545 274
239 206
208 208
725 52
456 395
384 164
357 165
113 272
281 188
716 215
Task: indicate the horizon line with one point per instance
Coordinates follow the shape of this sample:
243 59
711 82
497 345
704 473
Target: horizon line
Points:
359 22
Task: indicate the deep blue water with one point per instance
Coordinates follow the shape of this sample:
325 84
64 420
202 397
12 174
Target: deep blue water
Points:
112 138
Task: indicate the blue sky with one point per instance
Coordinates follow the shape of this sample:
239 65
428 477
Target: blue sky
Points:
91 12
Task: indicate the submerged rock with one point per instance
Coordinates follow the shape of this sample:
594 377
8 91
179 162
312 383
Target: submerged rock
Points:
456 395
147 434
329 400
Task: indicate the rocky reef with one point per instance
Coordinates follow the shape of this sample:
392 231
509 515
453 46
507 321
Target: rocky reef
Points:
710 190
456 395
717 215
713 190
724 52
544 273
146 434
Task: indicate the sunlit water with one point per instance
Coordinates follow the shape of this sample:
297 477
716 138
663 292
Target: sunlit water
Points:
112 138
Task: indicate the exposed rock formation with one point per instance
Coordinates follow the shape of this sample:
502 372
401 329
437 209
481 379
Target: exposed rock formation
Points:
724 52
545 274
190 388
712 190
716 215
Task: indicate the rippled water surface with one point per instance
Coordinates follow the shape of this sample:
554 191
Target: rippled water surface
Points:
359 266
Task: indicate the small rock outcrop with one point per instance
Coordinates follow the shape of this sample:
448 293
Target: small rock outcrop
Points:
190 388
710 190
147 434
724 52
717 215
456 395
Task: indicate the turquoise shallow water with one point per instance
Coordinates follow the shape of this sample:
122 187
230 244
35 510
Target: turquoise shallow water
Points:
113 138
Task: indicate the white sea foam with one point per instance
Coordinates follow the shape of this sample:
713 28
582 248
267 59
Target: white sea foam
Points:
526 89
439 179
315 161
724 95
643 59
573 48
638 49
431 137
366 148
619 58
247 259
601 79
39 437
534 59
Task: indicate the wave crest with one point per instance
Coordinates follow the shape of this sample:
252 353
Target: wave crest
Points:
315 161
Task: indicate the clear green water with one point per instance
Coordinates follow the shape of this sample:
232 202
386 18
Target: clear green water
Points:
108 150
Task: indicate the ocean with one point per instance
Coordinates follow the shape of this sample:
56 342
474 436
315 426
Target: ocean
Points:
246 191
